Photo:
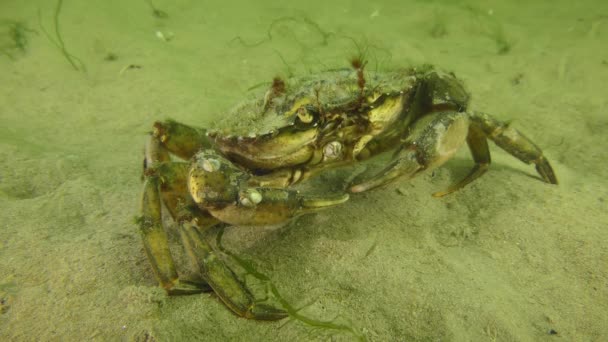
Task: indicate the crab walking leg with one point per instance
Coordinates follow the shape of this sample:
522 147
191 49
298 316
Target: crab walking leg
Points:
154 153
182 140
153 233
512 141
156 244
222 279
434 139
478 145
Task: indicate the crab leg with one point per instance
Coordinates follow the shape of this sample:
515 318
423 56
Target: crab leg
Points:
478 145
154 236
437 136
168 184
182 140
222 279
512 141
156 244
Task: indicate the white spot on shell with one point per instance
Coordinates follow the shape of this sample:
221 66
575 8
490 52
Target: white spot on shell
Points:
210 164
332 150
211 194
250 198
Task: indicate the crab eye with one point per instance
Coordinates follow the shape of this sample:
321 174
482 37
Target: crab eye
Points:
304 115
307 116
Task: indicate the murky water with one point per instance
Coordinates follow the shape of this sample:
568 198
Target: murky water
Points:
507 258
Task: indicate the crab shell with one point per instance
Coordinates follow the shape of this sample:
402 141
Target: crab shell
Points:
325 117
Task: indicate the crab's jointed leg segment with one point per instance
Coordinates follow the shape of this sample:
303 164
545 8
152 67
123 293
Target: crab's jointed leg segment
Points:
156 244
167 182
179 139
441 125
478 145
514 142
222 279
154 236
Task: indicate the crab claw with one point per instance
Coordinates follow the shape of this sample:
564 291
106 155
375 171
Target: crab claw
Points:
434 139
405 163
224 190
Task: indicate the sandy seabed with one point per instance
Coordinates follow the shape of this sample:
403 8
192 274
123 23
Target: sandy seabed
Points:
509 258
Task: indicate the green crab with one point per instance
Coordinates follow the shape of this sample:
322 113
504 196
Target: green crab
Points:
243 171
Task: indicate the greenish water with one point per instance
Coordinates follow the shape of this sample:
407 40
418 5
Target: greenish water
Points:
508 258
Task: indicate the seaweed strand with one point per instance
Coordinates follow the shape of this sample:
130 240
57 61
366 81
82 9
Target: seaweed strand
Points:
74 61
293 312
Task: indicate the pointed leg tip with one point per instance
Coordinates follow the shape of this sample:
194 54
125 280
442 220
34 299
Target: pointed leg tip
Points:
324 202
439 194
186 287
546 171
551 179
